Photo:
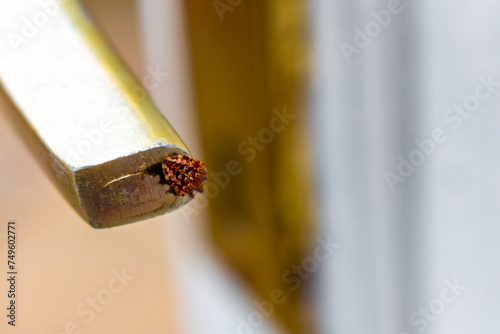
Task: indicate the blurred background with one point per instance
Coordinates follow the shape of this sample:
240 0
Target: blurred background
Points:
352 149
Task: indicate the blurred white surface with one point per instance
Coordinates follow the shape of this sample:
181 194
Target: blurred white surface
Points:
401 247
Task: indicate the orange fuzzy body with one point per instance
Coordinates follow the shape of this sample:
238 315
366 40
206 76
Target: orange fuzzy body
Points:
184 175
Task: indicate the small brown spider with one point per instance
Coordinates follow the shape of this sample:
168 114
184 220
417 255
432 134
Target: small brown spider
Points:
184 174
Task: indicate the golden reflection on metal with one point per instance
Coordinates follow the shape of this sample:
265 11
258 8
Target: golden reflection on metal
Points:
250 58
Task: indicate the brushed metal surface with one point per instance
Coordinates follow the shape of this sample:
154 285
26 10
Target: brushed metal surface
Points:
83 113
